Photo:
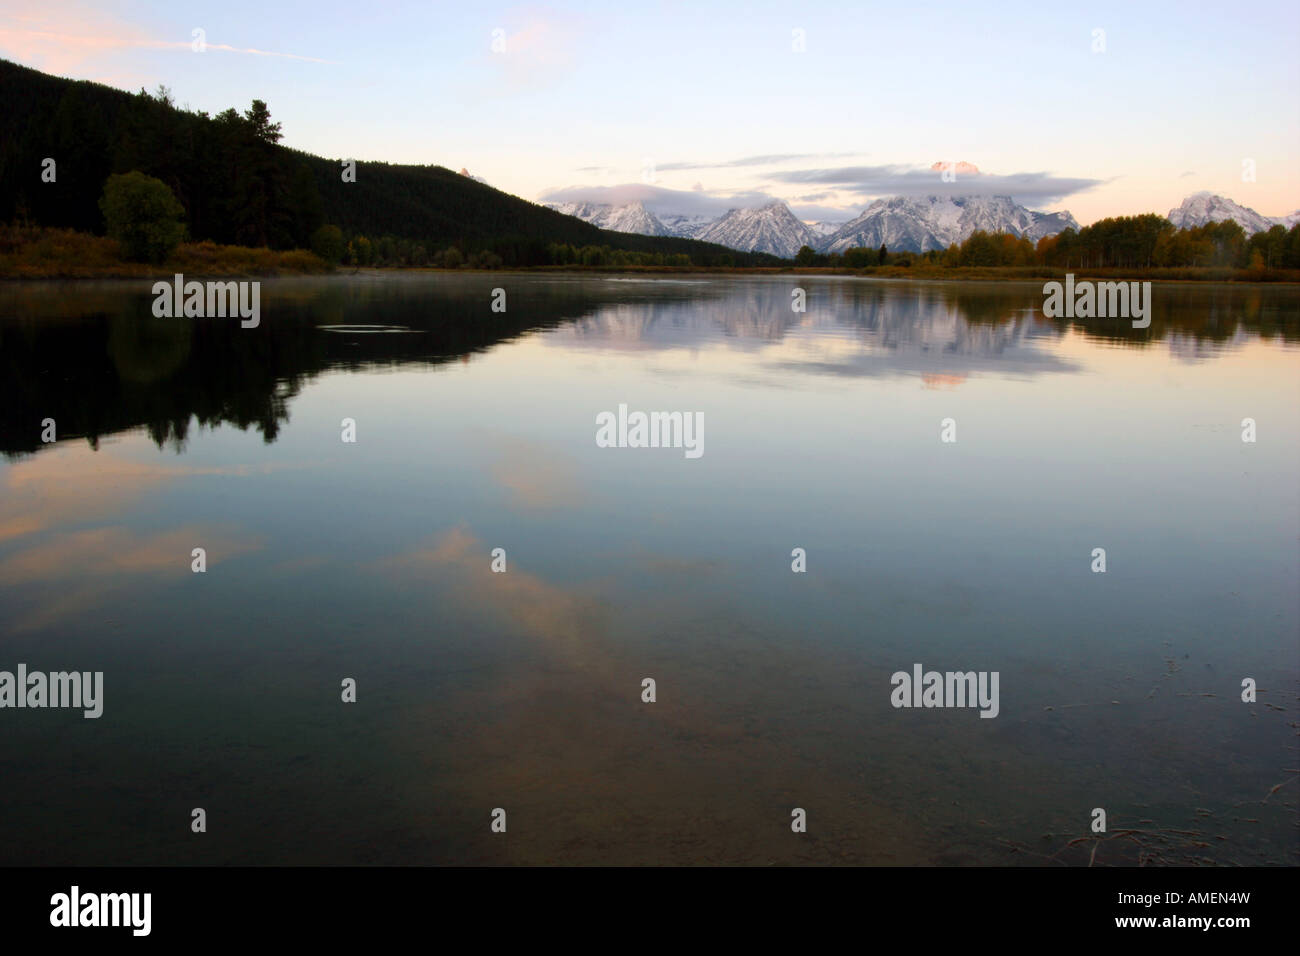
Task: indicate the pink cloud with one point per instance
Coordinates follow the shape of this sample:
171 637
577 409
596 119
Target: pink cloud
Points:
36 34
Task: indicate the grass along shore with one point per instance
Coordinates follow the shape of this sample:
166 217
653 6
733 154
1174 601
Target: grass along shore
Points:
39 252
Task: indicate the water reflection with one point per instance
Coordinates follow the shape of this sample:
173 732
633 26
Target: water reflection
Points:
480 689
95 359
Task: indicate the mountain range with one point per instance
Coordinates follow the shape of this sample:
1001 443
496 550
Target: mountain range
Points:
936 222
902 223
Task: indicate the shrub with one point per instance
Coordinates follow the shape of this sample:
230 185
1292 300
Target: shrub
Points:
327 242
143 215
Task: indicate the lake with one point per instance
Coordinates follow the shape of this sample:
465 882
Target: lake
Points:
948 460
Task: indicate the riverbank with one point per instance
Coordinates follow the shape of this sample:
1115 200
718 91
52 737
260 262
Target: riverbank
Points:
35 252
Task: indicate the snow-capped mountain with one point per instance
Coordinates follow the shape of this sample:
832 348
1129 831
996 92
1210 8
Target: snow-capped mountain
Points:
684 225
822 229
935 222
899 222
911 224
1050 223
630 217
772 228
1202 208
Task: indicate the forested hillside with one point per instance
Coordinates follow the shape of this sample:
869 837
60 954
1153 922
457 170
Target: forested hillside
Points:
239 186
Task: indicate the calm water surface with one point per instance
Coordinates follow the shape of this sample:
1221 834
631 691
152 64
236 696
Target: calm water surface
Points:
476 430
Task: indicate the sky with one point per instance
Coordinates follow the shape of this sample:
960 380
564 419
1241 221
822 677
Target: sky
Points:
1103 109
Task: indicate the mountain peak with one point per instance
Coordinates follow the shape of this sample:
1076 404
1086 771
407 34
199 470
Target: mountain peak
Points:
962 168
770 228
919 224
1201 208
632 217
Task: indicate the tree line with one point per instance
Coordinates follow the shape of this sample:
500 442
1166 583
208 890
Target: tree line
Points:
238 185
1132 242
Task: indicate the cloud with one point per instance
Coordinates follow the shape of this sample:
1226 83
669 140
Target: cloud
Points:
685 202
99 552
532 48
946 381
37 38
870 182
768 160
251 51
656 198
76 42
89 567
32 32
566 619
849 190
68 484
534 477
